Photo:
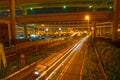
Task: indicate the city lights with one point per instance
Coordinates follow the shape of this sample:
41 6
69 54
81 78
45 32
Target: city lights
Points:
59 39
31 8
47 29
90 7
87 17
60 28
64 6
8 10
43 25
110 7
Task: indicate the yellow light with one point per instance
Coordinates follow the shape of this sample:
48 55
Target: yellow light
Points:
56 32
71 31
87 17
118 30
8 10
42 25
85 31
92 28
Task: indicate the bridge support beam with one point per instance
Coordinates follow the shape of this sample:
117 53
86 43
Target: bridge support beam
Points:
12 18
9 33
25 11
115 20
94 30
25 31
99 31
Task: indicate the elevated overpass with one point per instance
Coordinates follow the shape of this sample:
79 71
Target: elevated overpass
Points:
24 4
64 17
71 19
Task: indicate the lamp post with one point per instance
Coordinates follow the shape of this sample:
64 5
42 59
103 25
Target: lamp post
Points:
88 18
60 31
47 29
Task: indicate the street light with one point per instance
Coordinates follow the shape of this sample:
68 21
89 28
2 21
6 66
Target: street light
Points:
87 18
47 29
60 31
60 28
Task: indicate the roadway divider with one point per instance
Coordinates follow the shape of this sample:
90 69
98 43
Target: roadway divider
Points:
29 47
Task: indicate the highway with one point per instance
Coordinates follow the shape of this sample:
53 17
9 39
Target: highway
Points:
66 63
71 67
60 67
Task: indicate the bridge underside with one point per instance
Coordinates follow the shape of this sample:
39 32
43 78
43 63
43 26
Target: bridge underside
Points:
71 19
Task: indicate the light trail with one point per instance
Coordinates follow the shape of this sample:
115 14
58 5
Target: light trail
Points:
42 74
79 44
65 69
70 61
61 64
72 49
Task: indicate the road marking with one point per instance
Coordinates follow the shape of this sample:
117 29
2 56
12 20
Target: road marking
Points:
73 49
66 68
82 66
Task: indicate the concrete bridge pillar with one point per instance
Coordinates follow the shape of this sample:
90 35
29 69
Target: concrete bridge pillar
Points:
12 18
9 34
94 29
24 11
115 20
25 31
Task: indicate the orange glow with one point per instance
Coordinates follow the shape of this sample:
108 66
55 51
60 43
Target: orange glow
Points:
87 17
8 10
42 25
118 30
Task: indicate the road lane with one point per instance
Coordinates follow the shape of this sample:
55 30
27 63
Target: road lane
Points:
70 69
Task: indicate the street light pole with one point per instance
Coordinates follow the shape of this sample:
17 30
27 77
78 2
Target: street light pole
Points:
87 18
88 26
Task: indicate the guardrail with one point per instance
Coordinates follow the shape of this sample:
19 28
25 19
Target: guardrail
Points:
29 46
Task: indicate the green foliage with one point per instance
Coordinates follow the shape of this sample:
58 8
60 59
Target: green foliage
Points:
110 56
